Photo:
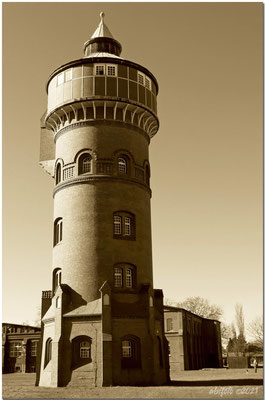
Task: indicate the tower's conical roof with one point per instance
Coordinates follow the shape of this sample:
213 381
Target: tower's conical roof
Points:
102 29
102 43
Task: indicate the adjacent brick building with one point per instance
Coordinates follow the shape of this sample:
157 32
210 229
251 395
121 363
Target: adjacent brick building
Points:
194 342
102 321
19 347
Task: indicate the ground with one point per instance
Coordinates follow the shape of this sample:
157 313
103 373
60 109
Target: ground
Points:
213 384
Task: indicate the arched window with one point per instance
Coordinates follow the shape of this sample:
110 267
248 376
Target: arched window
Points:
84 163
118 277
130 352
129 277
58 177
124 276
169 324
57 278
58 231
127 348
85 349
81 351
48 351
122 165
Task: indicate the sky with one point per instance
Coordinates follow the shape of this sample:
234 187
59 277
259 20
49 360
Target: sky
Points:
206 159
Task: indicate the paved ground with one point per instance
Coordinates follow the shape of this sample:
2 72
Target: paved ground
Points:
213 384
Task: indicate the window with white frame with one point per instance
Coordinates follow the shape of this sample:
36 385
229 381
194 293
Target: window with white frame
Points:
141 78
117 224
123 225
130 352
111 70
127 226
117 277
126 348
85 349
15 349
122 165
100 69
147 83
124 276
33 348
129 277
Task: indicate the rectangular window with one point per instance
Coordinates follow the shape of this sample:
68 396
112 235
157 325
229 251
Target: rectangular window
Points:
60 78
117 277
33 349
100 70
169 324
127 226
117 225
68 75
15 349
126 349
111 70
140 78
129 278
147 83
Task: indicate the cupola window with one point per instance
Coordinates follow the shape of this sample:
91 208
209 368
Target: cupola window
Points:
147 83
111 70
100 69
141 78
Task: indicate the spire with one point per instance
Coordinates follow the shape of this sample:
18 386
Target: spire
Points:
102 30
102 43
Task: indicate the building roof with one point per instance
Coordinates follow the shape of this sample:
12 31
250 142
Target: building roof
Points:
92 308
172 308
102 29
21 325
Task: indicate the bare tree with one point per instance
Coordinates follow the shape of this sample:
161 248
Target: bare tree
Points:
255 330
199 306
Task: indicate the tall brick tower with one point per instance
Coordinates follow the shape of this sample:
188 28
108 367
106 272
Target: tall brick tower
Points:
102 322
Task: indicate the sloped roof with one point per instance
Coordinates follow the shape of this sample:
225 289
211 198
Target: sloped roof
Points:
92 308
102 29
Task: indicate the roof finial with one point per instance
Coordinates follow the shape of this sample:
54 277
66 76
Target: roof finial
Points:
102 15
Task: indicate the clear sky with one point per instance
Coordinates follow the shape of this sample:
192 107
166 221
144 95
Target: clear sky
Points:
206 160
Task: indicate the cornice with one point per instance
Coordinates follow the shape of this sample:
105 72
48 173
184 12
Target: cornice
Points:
99 178
93 122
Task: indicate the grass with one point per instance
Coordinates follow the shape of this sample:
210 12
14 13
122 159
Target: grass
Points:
202 384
